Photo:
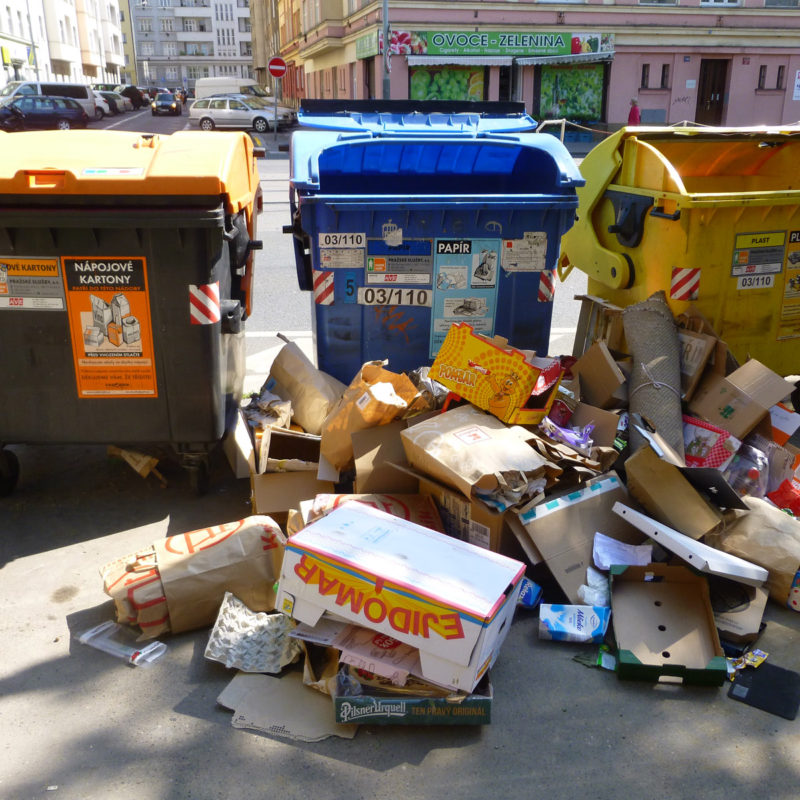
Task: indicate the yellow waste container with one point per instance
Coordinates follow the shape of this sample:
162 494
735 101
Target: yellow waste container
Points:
709 215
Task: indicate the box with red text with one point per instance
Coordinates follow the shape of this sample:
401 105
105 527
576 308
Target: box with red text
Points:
451 600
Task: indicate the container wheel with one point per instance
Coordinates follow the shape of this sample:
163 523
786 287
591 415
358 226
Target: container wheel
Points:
9 472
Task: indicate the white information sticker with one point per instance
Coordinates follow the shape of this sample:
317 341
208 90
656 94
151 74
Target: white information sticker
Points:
525 255
336 239
755 282
393 296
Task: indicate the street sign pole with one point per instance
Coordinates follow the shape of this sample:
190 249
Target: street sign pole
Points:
277 68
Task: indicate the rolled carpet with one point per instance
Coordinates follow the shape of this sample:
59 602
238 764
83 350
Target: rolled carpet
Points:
654 389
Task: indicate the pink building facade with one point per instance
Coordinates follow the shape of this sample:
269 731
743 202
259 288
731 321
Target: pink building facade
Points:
707 61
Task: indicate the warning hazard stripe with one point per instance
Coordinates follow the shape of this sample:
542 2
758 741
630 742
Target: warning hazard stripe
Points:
685 284
547 287
323 287
204 303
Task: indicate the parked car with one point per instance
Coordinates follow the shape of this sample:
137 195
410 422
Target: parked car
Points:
77 91
166 103
101 107
236 112
38 112
117 103
134 94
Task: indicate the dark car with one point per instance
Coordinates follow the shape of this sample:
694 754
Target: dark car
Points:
39 112
166 103
133 94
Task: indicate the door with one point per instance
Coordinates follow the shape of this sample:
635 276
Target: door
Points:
711 91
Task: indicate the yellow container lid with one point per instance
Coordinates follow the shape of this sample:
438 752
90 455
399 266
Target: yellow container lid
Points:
97 162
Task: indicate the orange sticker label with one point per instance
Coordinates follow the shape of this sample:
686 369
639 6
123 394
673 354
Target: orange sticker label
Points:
109 320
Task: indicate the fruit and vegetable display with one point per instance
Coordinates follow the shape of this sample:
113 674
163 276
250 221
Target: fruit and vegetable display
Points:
446 83
573 92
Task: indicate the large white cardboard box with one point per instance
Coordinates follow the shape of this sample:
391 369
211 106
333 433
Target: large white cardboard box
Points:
451 600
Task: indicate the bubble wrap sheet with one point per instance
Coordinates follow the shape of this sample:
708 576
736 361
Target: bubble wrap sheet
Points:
251 641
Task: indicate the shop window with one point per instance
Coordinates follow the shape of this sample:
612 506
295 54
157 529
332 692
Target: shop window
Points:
762 76
446 83
665 76
645 80
781 76
572 92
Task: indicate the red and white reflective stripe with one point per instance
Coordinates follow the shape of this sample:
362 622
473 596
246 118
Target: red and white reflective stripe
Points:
685 284
323 287
204 303
547 287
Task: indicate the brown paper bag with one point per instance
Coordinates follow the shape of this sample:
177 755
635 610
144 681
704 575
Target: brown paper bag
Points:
313 393
375 397
767 537
178 583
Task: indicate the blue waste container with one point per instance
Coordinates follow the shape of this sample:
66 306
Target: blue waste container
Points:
408 220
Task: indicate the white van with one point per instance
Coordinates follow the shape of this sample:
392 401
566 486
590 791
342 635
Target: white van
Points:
77 91
205 87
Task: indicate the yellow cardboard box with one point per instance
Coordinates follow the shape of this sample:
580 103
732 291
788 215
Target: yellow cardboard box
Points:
517 387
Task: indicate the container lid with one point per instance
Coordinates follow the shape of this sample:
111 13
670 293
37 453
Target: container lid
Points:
409 118
97 162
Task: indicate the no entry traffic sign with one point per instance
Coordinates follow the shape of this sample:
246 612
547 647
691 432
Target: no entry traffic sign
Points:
276 67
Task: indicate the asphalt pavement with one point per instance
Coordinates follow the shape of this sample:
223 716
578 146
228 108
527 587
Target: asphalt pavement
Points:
78 724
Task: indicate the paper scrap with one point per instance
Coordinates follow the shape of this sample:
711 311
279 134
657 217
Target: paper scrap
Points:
608 551
282 707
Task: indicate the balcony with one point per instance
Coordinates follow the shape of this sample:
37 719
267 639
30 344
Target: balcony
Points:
64 52
195 36
114 59
192 11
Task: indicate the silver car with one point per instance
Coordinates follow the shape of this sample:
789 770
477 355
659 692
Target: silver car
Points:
237 112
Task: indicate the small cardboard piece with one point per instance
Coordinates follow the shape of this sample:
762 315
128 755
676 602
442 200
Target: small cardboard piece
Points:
474 708
605 423
280 492
238 448
664 626
562 529
281 707
661 489
514 385
375 450
741 400
599 320
283 450
698 555
741 623
696 349
452 601
601 379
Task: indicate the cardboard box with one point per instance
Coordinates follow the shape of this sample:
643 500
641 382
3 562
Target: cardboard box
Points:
601 380
452 601
665 494
562 529
283 450
466 448
739 402
664 626
513 385
375 451
416 508
474 708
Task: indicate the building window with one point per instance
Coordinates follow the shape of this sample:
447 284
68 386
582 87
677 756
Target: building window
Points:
762 76
170 48
190 25
665 76
146 49
781 3
645 81
145 25
166 24
719 2
781 77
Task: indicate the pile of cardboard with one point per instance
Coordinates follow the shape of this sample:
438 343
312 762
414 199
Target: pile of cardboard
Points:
417 506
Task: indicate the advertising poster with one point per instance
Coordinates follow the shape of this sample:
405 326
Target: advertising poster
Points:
572 92
465 286
109 320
